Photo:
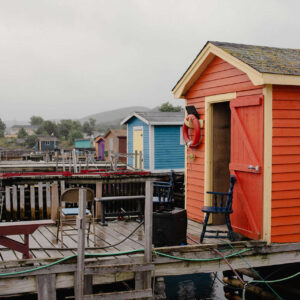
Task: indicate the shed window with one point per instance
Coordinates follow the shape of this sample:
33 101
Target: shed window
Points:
47 143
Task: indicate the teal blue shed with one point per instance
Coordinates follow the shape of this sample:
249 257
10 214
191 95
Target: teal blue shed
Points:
158 135
84 144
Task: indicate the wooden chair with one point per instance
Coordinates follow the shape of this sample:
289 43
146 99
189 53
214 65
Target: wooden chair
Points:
219 207
163 193
67 214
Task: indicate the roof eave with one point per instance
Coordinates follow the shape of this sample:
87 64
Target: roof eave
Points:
204 58
169 123
134 115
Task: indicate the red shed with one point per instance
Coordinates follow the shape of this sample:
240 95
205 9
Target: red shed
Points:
249 99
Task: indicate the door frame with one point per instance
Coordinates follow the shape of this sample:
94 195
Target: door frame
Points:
208 156
135 128
267 156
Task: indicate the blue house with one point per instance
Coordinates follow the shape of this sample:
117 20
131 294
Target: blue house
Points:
158 136
46 143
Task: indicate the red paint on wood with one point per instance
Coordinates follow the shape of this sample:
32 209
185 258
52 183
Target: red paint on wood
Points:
220 77
286 165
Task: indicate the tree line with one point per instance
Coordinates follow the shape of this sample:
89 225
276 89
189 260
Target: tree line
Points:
66 130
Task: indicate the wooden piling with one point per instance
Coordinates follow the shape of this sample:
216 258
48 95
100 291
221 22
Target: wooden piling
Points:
32 202
22 201
40 198
48 200
81 222
98 195
148 231
46 286
15 203
7 202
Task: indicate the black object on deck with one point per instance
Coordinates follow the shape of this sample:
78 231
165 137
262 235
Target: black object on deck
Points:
169 227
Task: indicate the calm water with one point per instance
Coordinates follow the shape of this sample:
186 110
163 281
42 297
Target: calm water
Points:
194 287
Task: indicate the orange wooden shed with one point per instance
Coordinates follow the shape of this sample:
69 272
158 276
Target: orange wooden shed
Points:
249 99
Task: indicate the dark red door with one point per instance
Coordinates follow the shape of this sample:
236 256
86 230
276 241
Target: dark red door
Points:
247 137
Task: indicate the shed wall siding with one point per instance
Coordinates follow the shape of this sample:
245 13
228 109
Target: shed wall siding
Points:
219 78
133 123
83 144
286 164
169 154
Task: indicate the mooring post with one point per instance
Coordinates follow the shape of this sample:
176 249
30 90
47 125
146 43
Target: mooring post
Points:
80 222
148 231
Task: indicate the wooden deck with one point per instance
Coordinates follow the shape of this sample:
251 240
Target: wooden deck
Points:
167 261
43 241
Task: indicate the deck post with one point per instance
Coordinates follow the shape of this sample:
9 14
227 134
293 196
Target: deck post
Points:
56 161
7 202
74 161
46 286
135 159
15 203
22 202
54 204
48 199
148 231
32 202
62 151
40 198
62 186
98 203
140 160
80 221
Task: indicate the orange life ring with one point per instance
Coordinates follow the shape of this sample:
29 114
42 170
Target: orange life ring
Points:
192 143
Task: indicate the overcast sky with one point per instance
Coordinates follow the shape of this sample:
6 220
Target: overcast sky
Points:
73 58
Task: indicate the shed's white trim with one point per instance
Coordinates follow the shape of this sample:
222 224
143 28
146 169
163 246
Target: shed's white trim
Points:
151 148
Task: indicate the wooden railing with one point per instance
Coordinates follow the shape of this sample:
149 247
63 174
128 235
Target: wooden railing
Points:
40 201
36 200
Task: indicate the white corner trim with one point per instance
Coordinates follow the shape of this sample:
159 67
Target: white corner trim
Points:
151 148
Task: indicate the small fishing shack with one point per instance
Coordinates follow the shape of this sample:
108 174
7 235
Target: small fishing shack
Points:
46 143
158 136
249 100
100 147
115 142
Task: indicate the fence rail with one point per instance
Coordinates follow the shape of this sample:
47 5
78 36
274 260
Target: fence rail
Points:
20 201
35 201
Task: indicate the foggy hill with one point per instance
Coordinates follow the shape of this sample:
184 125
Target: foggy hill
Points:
114 116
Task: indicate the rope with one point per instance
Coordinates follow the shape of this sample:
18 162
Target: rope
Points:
117 254
262 280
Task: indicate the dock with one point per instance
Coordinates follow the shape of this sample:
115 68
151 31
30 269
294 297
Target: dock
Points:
122 252
110 269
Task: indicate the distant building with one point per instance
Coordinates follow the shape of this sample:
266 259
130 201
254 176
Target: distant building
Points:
13 131
115 141
82 144
159 136
100 147
46 143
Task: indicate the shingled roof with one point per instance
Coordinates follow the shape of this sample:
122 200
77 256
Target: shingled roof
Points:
265 59
158 118
263 65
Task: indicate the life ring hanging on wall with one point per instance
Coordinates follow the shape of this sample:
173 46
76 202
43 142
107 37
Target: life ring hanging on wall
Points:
197 139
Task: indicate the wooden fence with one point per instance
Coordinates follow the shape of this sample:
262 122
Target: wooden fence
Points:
41 200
